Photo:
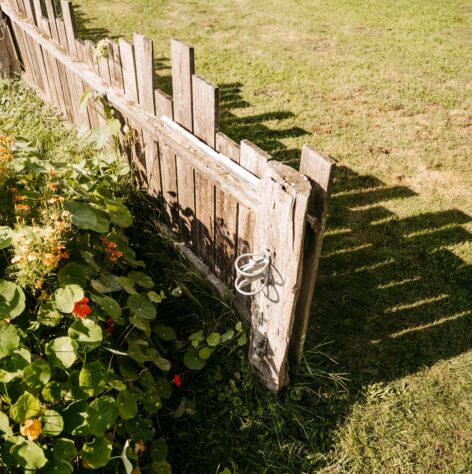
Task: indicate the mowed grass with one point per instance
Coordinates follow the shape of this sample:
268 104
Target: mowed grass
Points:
385 89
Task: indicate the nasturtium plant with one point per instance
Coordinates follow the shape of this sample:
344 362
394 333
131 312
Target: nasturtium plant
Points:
86 363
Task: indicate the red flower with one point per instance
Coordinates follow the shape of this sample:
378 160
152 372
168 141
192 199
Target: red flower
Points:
177 380
110 325
81 308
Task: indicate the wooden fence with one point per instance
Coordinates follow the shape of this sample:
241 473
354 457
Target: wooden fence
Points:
220 198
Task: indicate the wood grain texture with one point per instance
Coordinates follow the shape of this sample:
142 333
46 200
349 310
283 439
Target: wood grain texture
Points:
319 170
183 68
227 147
205 110
253 158
164 104
129 70
51 13
69 22
144 52
205 220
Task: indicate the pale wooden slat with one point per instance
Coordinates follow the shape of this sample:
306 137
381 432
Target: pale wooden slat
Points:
29 10
205 224
153 171
93 65
183 68
163 103
14 66
51 12
82 56
253 158
69 22
169 186
129 70
24 53
319 170
38 12
227 146
205 110
116 68
144 53
281 223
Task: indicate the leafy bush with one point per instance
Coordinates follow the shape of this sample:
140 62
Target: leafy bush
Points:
88 373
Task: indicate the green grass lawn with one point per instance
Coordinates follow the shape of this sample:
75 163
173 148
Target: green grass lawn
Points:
385 89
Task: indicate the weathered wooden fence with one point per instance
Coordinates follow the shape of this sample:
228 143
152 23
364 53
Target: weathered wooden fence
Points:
221 199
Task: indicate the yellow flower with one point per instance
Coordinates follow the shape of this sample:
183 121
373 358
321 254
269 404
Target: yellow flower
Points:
31 429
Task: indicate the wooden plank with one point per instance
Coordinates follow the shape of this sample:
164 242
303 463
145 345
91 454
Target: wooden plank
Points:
205 110
186 195
25 57
227 146
69 22
253 158
163 103
319 170
91 112
281 223
38 12
183 68
116 68
153 171
96 105
144 52
51 12
169 186
129 70
10 56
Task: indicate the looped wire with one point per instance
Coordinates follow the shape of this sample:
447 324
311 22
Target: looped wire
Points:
256 267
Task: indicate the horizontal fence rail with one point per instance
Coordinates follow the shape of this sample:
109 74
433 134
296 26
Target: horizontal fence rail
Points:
220 199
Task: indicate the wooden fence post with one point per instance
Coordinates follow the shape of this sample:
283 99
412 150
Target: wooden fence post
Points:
280 232
9 64
319 170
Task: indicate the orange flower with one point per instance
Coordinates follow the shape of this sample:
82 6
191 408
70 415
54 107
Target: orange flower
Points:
81 308
50 260
53 186
31 429
22 207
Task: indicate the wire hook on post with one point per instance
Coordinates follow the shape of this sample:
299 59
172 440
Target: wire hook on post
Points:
251 267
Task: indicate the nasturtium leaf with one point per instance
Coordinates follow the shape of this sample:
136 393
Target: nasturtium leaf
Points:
152 401
76 391
242 340
116 382
106 283
12 367
51 392
166 333
239 326
37 373
48 315
109 305
65 298
62 352
156 297
76 419
127 285
64 449
87 257
159 361
163 388
141 279
93 378
140 429
229 334
213 339
97 453
142 306
196 336
57 467
12 300
84 216
161 467
28 455
5 237
103 413
73 273
141 323
205 352
159 450
193 361
9 339
127 406
138 350
127 369
118 212
87 333
5 424
53 424
27 406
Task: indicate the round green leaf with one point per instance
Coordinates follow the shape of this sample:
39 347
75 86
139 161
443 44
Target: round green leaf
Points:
51 392
76 419
205 352
118 212
5 424
159 450
140 429
89 260
163 388
57 467
64 449
12 367
65 298
229 334
141 279
127 285
87 333
61 352
127 406
166 333
37 373
84 216
48 315
109 305
28 455
193 361
9 339
53 424
93 378
142 306
73 274
5 237
213 339
102 415
27 406
97 453
12 300
106 283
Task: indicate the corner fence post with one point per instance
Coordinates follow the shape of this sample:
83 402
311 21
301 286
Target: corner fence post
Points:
280 231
